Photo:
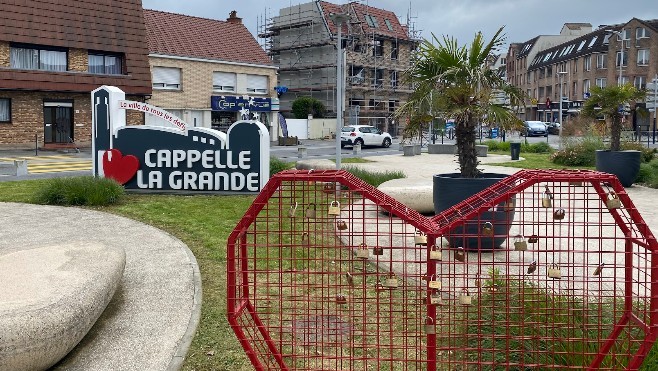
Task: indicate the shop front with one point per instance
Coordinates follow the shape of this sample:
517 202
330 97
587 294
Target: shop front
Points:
228 109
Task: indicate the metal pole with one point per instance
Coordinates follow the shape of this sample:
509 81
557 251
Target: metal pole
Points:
338 19
560 110
36 145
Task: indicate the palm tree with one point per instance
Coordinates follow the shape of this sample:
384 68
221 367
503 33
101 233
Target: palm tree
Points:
608 101
457 82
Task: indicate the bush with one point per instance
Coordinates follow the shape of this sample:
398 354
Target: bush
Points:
495 145
648 174
579 152
374 178
539 147
80 191
277 166
303 106
647 153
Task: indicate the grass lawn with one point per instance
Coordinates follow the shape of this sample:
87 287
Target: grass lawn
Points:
535 161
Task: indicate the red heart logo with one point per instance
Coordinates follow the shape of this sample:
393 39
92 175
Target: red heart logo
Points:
118 167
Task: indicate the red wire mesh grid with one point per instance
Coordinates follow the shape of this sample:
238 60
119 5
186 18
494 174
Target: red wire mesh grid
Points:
543 270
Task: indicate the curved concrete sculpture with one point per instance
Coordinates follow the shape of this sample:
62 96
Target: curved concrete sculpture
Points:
50 299
317 164
416 194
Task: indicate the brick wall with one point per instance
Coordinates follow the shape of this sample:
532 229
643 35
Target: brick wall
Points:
197 83
4 54
27 118
78 60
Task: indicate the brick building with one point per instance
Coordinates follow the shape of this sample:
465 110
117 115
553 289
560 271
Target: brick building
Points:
54 53
209 72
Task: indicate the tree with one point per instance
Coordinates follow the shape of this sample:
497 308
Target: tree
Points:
456 82
303 106
609 101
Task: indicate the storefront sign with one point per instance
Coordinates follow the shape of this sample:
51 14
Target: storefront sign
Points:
175 159
235 104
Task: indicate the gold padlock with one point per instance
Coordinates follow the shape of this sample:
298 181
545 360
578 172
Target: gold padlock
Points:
460 254
433 283
613 201
362 251
334 208
559 214
465 298
533 238
292 210
391 281
341 225
510 204
377 250
547 197
487 229
341 299
532 267
554 271
435 298
435 253
520 244
429 326
420 238
310 211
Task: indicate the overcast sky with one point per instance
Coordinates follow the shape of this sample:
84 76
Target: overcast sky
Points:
523 19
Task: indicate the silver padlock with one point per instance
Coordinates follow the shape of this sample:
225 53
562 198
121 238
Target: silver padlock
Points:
292 210
310 211
334 208
429 326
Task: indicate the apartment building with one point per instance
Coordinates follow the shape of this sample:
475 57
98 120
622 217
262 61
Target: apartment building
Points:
302 40
53 54
209 72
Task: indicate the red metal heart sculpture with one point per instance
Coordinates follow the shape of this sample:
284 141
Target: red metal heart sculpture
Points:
118 167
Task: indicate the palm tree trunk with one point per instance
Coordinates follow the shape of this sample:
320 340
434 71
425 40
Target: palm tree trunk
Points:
615 133
467 155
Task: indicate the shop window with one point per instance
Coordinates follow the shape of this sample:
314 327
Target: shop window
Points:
257 84
5 110
104 64
37 58
223 81
166 78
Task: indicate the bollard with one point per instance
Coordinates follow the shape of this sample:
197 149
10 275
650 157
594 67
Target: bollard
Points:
20 167
301 152
408 150
417 149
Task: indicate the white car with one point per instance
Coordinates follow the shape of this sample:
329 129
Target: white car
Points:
364 135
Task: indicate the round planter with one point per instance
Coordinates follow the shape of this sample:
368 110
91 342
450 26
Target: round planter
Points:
624 164
450 189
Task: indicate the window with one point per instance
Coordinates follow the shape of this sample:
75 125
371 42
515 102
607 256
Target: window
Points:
622 57
601 82
585 86
371 21
394 51
642 57
587 63
257 84
357 75
549 70
223 81
30 58
378 48
601 61
639 82
641 33
625 34
5 110
394 79
388 24
104 64
575 89
168 78
379 77
624 80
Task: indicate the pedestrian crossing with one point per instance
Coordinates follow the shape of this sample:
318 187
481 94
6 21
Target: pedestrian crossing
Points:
53 163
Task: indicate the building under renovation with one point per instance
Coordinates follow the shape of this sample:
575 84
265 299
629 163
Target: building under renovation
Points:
378 48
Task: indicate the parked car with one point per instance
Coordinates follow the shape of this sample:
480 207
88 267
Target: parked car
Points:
553 127
364 135
534 128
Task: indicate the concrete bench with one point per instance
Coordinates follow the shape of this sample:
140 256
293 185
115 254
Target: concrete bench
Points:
442 149
14 168
51 297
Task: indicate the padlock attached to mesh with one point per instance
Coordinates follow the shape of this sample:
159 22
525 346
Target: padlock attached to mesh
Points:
377 250
613 201
520 244
311 211
547 198
554 271
420 238
460 254
559 214
334 208
429 326
434 283
362 251
487 229
435 298
465 297
292 210
435 253
341 225
391 281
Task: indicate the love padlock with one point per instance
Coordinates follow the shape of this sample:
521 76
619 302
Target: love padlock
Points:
559 214
377 250
546 199
487 229
341 225
435 298
435 253
362 251
433 283
329 187
310 211
420 238
292 210
391 281
460 254
465 298
429 326
613 201
334 208
532 267
341 299
520 244
554 271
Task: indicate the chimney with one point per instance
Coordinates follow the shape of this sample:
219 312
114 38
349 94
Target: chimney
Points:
233 18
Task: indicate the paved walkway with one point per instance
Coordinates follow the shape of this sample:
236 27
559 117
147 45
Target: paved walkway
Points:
150 321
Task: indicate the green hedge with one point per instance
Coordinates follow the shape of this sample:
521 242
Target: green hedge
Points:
80 191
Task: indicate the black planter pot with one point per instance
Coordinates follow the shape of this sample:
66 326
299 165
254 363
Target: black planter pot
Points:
624 164
450 189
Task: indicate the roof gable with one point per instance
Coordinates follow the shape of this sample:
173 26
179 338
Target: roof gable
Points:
187 36
369 19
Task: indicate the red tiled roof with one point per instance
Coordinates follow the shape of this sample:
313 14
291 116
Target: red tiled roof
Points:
360 11
195 37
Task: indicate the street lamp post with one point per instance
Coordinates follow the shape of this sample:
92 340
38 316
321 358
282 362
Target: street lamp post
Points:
560 74
339 19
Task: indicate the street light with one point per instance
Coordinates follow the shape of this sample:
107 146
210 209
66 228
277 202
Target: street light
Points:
339 19
621 51
559 75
